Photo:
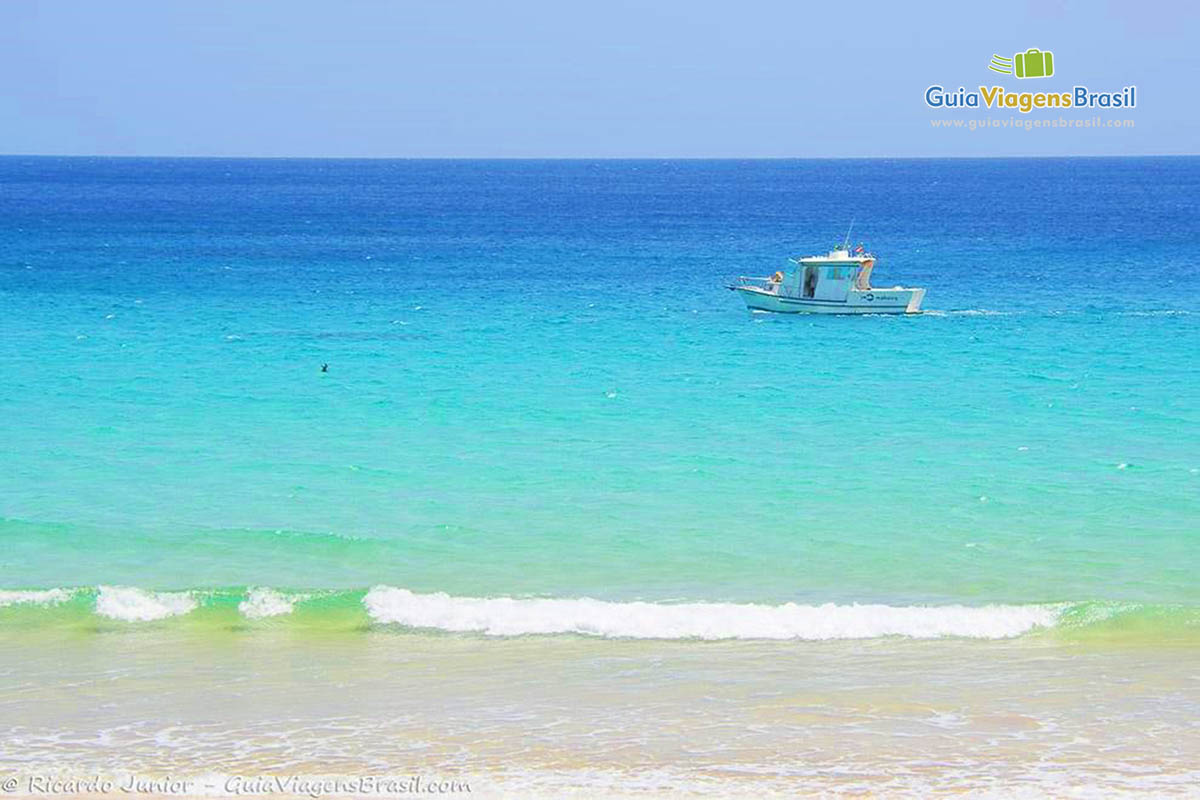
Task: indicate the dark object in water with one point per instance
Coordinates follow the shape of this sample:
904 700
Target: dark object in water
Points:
325 367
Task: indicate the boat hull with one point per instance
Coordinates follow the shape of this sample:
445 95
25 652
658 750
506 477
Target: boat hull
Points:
875 301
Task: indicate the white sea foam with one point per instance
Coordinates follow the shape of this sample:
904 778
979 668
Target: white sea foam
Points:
138 605
1162 312
979 312
506 616
46 597
262 602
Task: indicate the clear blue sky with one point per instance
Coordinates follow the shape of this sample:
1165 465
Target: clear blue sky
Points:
456 78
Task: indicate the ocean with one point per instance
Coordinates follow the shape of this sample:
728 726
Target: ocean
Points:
559 494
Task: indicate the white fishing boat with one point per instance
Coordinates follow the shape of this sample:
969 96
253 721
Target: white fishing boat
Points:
837 283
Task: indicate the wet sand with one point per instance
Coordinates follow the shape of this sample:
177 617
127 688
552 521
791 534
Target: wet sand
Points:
555 716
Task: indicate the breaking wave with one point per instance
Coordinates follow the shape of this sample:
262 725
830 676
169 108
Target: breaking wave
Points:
388 608
37 597
506 616
261 603
138 605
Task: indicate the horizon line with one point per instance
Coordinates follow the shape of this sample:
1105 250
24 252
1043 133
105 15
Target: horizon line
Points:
596 158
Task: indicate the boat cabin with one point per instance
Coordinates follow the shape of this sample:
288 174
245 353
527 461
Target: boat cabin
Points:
829 277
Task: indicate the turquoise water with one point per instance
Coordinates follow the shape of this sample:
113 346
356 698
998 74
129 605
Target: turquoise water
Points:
539 388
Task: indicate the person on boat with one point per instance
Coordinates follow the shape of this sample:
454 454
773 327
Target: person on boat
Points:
810 282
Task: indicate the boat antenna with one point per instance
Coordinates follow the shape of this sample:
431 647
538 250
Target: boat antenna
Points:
846 244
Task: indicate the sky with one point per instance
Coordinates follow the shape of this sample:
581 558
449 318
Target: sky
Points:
581 79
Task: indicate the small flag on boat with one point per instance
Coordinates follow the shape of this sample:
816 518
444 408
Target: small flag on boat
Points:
858 249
